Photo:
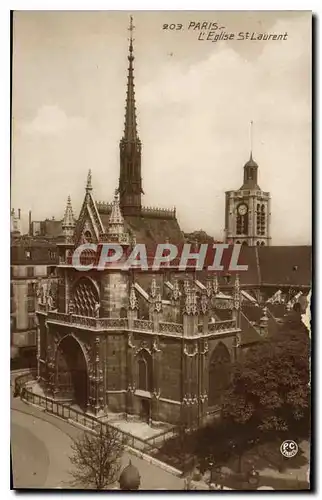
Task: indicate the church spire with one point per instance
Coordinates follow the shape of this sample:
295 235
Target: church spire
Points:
251 167
130 126
130 182
68 224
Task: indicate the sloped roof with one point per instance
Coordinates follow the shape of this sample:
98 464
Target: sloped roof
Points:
150 230
285 265
253 313
249 334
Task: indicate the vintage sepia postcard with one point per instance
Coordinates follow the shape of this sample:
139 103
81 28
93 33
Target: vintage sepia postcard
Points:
161 259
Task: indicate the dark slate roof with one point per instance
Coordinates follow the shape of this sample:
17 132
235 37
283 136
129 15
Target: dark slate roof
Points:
251 162
285 265
249 335
149 229
253 313
277 310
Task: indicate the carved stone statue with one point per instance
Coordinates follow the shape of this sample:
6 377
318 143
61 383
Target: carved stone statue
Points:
97 310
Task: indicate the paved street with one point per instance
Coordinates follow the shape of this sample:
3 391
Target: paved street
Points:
41 448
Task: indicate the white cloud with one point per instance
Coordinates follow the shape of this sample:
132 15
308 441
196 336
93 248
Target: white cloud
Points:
51 120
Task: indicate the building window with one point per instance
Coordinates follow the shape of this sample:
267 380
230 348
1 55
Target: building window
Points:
27 254
31 304
262 220
145 371
31 289
88 236
85 298
52 255
219 373
30 272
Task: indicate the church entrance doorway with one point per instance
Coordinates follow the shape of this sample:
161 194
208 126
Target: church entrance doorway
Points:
145 410
71 372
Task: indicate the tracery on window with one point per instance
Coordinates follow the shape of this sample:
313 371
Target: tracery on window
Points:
144 362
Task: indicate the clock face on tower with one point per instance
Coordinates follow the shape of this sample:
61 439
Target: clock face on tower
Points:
242 209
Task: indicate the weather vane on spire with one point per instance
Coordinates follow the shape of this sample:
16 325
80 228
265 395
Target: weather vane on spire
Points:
251 138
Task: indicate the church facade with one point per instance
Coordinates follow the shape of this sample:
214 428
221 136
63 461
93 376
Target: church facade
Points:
153 346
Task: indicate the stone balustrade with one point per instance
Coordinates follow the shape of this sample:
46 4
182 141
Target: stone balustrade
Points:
170 327
220 326
103 324
142 324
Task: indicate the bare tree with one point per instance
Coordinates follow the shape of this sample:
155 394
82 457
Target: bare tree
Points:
96 458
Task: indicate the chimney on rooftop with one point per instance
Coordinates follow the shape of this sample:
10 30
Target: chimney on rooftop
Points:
30 228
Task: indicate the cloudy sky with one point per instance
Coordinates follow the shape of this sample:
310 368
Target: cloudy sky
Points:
195 101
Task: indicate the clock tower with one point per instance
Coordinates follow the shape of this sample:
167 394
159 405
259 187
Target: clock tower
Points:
248 211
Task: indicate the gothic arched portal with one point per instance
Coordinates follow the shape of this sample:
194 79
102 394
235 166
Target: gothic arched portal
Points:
219 373
71 371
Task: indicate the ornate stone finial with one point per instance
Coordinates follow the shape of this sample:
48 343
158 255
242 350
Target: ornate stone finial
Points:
116 220
215 285
208 288
158 302
69 220
89 181
263 323
153 288
176 290
204 303
264 317
186 286
133 300
237 292
191 302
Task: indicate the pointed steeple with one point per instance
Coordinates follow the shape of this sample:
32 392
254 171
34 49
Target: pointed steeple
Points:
69 219
89 181
116 221
133 302
68 224
130 126
130 182
251 167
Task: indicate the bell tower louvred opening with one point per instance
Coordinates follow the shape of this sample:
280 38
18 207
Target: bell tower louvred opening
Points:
130 181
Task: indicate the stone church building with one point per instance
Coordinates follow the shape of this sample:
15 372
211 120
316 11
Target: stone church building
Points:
155 346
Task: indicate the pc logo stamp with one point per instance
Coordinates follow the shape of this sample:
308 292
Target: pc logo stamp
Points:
289 448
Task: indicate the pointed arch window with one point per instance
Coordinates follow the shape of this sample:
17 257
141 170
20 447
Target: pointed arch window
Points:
219 373
88 236
262 220
85 298
144 372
